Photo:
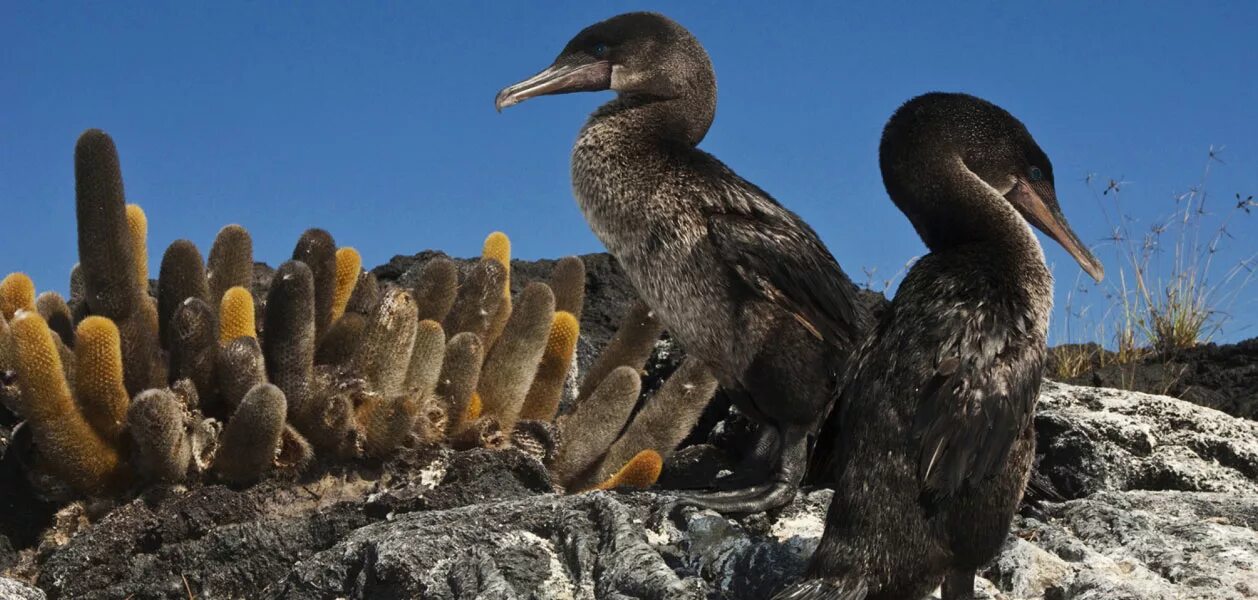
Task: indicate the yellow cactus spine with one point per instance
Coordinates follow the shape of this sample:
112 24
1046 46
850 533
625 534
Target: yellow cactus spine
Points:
542 402
348 264
99 384
6 347
498 248
474 408
138 226
68 446
17 292
640 472
236 315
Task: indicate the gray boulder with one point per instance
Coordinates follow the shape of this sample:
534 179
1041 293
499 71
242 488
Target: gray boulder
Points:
1098 439
1160 501
1135 544
15 590
1167 507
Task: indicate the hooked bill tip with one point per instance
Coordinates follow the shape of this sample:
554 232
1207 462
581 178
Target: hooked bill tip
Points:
504 100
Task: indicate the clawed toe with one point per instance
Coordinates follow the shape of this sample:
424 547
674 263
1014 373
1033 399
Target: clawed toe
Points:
744 501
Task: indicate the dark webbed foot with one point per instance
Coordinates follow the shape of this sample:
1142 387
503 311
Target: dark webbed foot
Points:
777 492
745 501
758 464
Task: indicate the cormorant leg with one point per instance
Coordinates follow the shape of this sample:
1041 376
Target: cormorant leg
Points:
959 585
756 467
779 491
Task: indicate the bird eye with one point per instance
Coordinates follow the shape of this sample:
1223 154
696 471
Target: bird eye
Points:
1035 174
599 50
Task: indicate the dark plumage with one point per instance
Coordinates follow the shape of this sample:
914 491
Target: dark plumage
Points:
739 280
935 439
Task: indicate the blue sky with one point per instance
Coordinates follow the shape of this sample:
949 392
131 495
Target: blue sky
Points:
375 120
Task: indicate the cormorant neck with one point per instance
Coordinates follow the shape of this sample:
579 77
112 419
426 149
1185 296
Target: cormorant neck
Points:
951 206
683 119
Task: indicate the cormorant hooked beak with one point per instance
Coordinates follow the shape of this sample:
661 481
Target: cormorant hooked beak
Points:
558 79
1037 201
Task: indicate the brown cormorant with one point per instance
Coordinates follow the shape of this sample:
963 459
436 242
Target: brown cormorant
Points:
743 283
935 427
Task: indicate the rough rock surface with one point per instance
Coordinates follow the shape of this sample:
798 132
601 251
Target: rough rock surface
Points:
1136 496
1135 545
16 590
1196 536
1098 439
1154 513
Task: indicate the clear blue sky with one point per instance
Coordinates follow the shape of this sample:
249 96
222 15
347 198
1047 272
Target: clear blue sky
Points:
376 120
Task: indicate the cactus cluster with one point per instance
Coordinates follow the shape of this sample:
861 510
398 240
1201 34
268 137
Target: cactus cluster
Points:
604 443
122 390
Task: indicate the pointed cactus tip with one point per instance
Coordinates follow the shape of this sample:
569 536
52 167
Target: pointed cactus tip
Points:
544 395
100 387
253 436
70 448
17 292
641 471
498 247
236 315
349 263
138 227
230 263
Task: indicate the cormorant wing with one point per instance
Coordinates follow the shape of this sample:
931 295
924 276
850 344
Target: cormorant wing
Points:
782 260
979 398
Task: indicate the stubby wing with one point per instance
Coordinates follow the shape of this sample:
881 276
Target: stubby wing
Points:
979 398
777 255
781 259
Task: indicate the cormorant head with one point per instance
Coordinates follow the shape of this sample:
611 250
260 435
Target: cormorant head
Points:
935 135
634 53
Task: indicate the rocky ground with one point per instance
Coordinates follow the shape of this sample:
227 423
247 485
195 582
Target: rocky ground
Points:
1220 376
1136 496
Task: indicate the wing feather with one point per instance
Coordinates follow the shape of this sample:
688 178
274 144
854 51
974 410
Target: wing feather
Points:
978 400
781 259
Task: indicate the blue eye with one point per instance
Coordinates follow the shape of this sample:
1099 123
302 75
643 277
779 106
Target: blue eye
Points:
1036 174
600 50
